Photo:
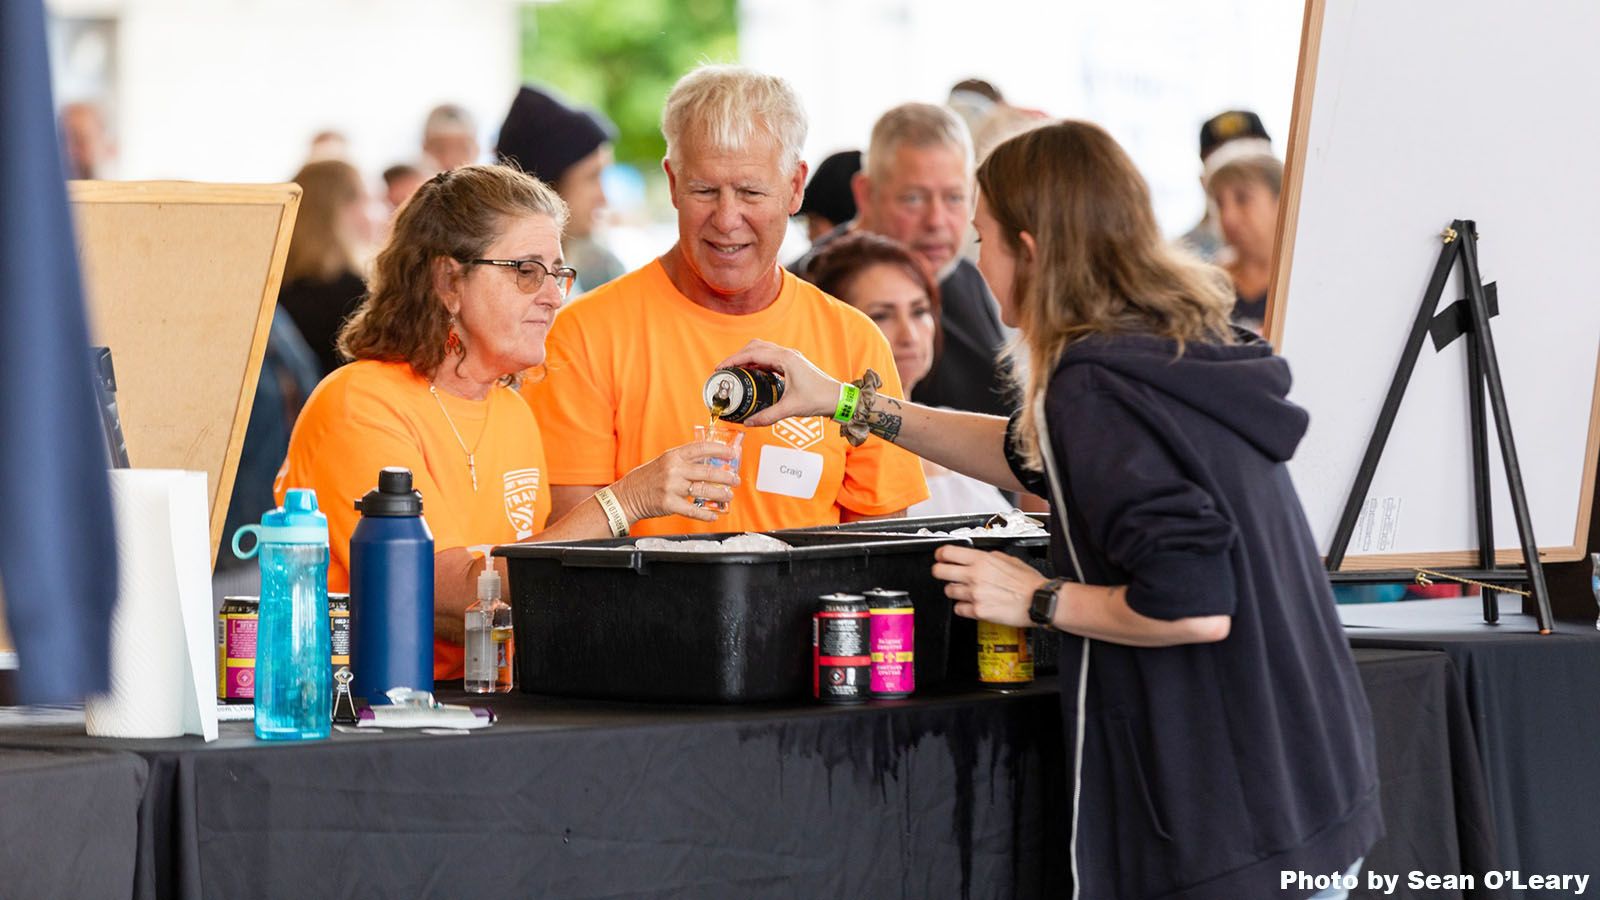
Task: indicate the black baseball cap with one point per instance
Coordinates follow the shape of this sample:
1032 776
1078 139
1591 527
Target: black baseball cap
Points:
828 192
1224 127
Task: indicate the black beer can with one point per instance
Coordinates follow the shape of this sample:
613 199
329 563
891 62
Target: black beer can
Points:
734 394
841 663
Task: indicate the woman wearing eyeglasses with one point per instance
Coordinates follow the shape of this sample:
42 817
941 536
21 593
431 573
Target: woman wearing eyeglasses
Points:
459 304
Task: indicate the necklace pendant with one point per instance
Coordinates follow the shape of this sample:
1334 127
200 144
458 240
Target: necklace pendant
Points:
472 469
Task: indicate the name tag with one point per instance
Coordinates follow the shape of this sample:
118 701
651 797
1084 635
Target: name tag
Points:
792 473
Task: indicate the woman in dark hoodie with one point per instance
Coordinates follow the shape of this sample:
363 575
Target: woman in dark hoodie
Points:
1217 732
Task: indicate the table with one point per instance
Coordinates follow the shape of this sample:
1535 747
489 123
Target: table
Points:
1534 702
69 822
950 795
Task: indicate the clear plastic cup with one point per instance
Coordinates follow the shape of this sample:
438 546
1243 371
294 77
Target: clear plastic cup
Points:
733 438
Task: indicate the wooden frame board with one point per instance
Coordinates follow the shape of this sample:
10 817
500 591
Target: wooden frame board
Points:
182 281
1451 30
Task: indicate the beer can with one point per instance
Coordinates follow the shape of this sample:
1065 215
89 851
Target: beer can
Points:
734 394
1005 660
339 628
236 649
893 636
841 663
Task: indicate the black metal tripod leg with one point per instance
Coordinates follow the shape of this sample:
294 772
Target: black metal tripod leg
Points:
1484 340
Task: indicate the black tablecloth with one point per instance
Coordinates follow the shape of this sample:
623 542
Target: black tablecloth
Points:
68 822
1535 705
944 796
1435 802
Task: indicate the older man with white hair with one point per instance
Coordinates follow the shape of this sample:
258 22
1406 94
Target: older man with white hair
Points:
626 363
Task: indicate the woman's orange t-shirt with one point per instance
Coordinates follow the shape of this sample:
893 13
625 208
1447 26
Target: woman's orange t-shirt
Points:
370 414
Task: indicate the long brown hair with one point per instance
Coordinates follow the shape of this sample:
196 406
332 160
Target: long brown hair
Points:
1102 266
456 214
319 249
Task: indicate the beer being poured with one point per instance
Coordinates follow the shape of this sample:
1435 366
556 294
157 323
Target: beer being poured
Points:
737 393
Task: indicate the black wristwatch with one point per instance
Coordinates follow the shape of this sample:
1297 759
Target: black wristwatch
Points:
1043 608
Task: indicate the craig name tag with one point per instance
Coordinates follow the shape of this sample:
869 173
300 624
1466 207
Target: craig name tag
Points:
792 473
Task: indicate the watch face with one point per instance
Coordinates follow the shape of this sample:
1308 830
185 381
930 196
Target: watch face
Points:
1043 608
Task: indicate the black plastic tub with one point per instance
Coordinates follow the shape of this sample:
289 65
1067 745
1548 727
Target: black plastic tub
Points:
595 620
1035 551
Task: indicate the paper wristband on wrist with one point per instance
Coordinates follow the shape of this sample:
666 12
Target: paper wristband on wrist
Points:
849 401
609 504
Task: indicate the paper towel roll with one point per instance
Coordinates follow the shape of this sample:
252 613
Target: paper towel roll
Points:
163 606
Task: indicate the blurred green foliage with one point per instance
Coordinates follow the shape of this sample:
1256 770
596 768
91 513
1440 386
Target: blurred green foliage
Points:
623 56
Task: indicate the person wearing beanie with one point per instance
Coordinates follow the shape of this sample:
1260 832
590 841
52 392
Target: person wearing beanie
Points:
1224 137
568 149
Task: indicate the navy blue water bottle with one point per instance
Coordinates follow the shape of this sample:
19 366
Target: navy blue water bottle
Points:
391 591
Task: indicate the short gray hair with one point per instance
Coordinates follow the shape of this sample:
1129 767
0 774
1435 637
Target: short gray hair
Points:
728 104
915 125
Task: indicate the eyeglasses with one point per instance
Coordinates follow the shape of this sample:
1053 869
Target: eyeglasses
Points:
531 273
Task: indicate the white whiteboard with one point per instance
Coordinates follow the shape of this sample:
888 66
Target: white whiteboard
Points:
1408 114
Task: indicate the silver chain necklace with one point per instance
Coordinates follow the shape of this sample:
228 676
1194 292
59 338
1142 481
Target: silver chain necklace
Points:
472 455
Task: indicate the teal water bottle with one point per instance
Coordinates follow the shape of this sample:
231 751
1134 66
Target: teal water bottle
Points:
294 689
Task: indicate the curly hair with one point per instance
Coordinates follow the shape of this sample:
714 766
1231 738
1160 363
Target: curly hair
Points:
456 215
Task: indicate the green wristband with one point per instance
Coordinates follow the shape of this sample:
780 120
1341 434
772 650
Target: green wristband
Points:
849 398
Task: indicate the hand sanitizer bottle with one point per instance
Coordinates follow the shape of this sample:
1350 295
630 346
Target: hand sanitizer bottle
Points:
491 646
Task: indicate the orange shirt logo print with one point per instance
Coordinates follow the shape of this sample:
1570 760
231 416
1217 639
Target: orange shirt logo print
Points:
522 492
800 433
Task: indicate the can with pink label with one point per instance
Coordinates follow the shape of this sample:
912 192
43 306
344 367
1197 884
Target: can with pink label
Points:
236 649
893 643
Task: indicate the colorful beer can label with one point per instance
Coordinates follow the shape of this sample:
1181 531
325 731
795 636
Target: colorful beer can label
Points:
841 661
1004 657
236 649
339 628
893 641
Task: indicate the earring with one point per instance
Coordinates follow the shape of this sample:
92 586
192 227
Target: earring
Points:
452 341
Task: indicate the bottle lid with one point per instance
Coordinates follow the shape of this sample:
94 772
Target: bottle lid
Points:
489 583
393 495
297 521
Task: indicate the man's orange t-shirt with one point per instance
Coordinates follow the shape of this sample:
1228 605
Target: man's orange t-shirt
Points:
622 383
369 414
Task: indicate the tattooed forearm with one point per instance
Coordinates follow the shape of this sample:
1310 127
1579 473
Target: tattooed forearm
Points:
882 422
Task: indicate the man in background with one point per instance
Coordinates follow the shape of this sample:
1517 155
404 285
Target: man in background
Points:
450 137
917 188
86 141
830 201
569 149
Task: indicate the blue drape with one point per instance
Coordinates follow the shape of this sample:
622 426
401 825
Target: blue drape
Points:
57 543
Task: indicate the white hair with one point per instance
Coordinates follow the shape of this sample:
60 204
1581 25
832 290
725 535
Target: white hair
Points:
730 106
916 125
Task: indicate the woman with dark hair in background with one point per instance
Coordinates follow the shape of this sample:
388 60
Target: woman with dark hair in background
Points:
884 279
1216 728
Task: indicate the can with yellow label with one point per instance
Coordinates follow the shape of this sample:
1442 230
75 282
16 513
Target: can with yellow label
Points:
1005 661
